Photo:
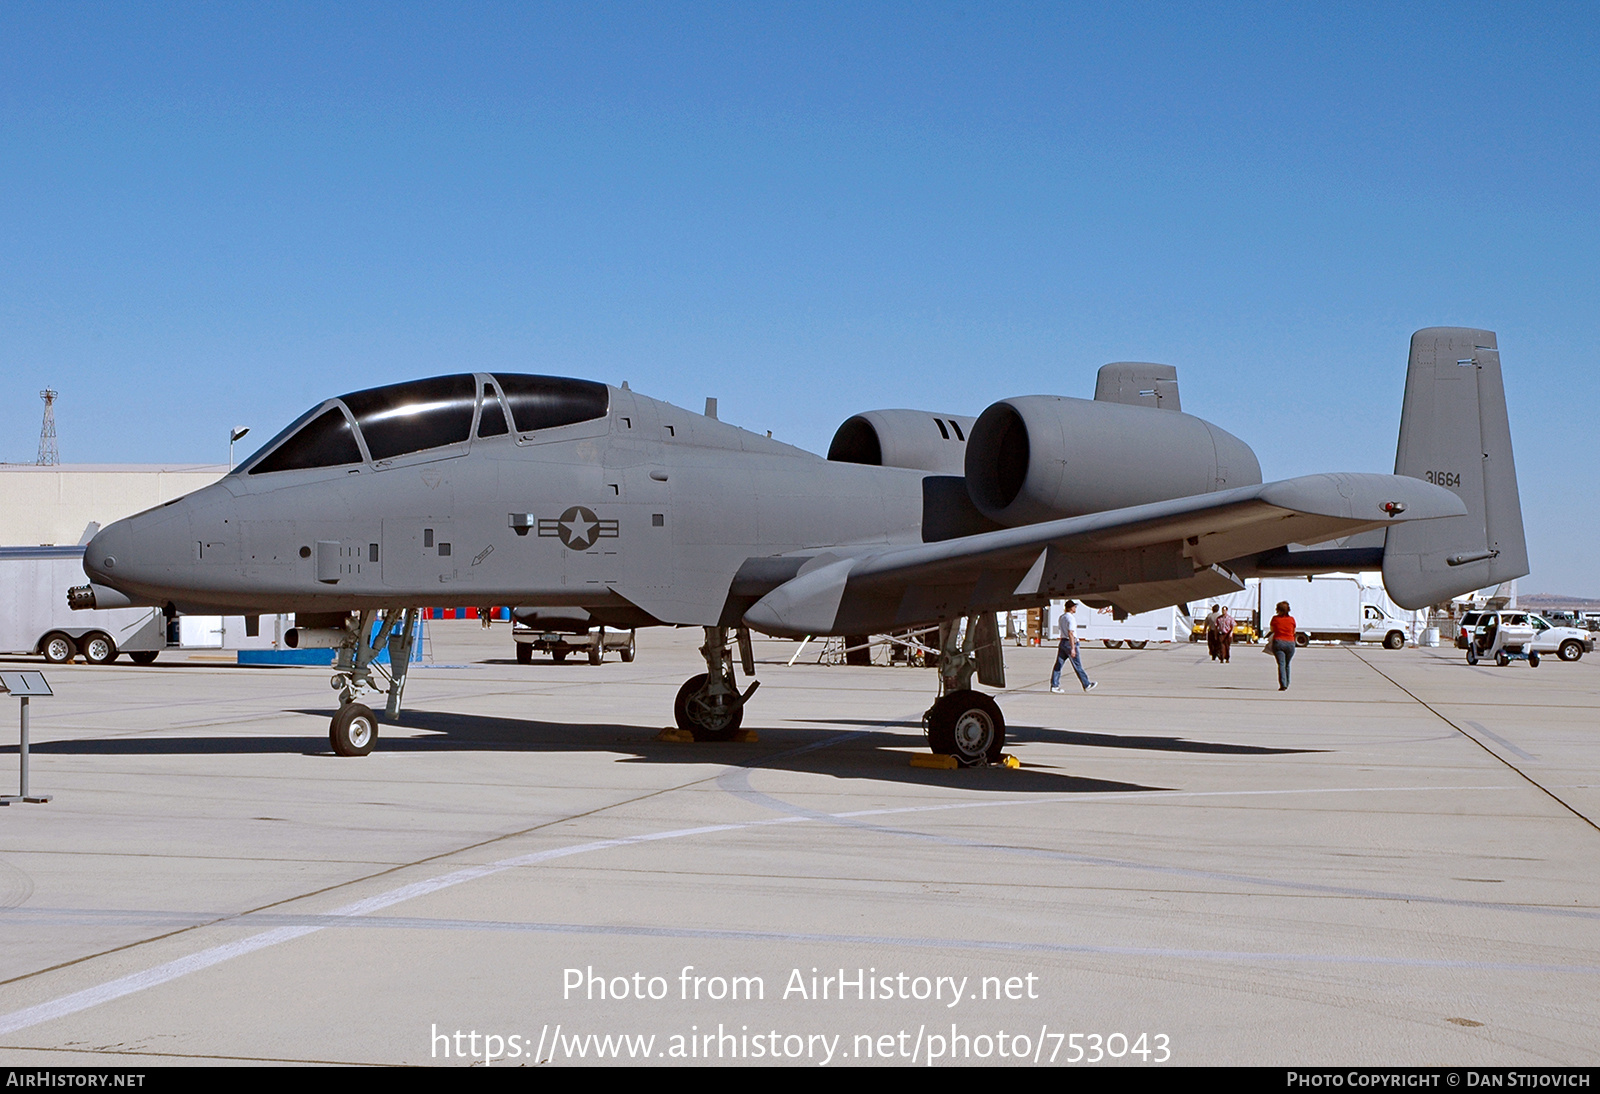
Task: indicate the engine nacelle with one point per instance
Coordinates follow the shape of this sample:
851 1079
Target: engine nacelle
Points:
917 439
1044 457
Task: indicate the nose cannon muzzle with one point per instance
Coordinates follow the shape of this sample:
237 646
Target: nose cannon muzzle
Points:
89 597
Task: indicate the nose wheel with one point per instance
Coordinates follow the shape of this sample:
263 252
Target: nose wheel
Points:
353 731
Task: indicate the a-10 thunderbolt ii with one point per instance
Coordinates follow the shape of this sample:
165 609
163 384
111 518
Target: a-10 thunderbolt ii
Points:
513 489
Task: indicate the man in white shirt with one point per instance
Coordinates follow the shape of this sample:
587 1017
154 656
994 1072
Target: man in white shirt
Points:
1214 633
1068 651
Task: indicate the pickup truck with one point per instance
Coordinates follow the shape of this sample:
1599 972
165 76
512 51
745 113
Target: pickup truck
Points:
563 631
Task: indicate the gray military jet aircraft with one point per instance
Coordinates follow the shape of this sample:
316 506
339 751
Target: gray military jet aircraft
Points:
512 489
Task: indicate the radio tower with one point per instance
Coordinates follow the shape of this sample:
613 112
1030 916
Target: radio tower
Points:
48 455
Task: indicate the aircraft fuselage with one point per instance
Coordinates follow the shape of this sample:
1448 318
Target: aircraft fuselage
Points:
643 515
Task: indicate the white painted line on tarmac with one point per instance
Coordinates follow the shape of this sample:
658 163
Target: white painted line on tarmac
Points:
172 970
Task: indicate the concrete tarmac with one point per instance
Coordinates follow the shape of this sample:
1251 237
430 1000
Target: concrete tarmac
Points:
1394 862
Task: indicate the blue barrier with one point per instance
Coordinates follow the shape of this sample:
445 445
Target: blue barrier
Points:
325 657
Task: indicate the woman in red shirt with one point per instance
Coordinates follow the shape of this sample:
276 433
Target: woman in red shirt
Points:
1280 634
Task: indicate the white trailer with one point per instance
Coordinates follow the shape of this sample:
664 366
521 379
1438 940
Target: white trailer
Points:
1138 631
1334 608
34 617
232 632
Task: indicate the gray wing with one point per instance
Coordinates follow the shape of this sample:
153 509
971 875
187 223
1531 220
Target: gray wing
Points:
1139 558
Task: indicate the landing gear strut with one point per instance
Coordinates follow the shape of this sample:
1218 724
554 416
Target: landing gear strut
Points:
354 728
709 705
964 723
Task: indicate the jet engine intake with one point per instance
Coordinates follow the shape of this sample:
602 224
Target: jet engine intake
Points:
916 439
1044 457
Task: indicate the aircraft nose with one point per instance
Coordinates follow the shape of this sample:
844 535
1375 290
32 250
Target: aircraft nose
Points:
142 554
108 550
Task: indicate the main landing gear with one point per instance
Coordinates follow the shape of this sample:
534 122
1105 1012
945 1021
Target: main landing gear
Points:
709 705
964 723
354 728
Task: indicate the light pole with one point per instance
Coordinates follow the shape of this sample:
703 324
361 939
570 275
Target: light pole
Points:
233 438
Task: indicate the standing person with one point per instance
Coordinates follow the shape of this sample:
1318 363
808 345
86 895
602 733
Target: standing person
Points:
1068 650
1225 626
1212 636
1280 635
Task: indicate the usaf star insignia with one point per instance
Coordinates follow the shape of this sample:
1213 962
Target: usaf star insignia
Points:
578 528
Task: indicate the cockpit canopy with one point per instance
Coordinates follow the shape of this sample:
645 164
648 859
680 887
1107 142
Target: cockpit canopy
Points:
382 423
412 417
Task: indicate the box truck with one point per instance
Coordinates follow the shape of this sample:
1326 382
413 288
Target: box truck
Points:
1332 608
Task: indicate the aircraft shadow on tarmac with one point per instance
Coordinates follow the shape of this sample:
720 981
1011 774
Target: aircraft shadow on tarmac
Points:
1023 734
874 752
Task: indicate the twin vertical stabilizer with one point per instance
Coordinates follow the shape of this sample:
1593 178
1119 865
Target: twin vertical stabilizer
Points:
1454 432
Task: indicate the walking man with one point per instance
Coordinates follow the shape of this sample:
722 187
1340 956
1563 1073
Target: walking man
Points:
1068 651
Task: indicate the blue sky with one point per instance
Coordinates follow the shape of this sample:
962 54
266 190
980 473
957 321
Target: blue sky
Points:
219 214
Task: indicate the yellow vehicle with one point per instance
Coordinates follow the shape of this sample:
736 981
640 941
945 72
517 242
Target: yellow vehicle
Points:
1243 631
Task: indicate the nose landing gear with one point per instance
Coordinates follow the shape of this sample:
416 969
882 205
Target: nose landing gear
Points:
353 730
